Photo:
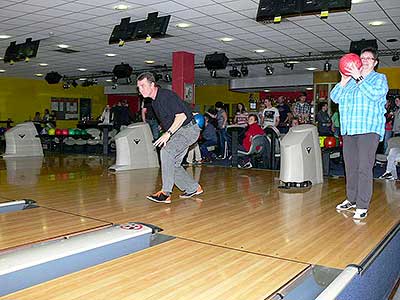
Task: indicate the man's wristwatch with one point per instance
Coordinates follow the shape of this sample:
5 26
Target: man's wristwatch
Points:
359 79
170 132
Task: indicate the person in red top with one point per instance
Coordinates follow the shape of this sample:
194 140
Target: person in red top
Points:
252 130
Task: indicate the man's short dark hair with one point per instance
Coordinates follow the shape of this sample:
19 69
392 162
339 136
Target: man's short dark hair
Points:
219 104
147 75
303 94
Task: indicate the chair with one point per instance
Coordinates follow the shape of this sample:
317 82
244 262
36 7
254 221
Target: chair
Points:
259 151
274 138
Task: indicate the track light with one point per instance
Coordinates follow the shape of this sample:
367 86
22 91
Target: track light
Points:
167 77
395 57
213 73
269 70
235 72
289 65
327 66
244 70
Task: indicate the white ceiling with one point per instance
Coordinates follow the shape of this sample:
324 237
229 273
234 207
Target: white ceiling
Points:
86 26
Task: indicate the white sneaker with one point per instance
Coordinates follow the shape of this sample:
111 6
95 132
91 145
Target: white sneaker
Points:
345 205
360 214
387 176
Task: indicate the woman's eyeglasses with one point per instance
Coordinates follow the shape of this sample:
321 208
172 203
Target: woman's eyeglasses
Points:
367 58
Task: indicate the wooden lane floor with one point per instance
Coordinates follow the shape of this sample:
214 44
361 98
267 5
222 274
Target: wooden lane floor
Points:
40 224
173 270
240 209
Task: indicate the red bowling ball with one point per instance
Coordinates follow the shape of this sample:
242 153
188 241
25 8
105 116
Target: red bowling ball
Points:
58 131
330 142
346 61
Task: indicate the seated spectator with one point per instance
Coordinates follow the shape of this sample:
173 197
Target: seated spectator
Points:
252 130
241 115
294 122
46 115
37 118
208 138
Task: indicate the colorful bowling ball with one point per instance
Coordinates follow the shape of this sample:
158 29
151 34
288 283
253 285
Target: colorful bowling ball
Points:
58 131
347 60
321 141
84 132
199 118
71 131
330 142
65 132
51 131
77 131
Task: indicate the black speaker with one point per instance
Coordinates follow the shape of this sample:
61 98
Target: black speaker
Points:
53 78
357 46
216 61
122 71
269 9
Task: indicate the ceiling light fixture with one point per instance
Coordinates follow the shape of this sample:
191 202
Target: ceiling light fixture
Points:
4 36
39 75
43 64
356 1
149 62
82 69
309 89
392 40
183 25
226 39
266 91
235 72
110 54
2 71
244 70
63 46
293 62
311 69
269 70
259 50
327 66
121 7
376 23
288 65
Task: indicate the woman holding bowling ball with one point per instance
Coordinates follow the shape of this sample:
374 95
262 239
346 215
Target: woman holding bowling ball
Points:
361 95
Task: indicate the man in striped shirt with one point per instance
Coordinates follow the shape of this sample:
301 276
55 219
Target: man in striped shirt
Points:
361 98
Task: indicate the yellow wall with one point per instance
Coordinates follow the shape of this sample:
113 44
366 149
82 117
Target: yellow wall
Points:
21 98
393 76
208 95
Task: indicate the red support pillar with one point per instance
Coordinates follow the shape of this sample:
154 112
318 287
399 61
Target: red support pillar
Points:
183 75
